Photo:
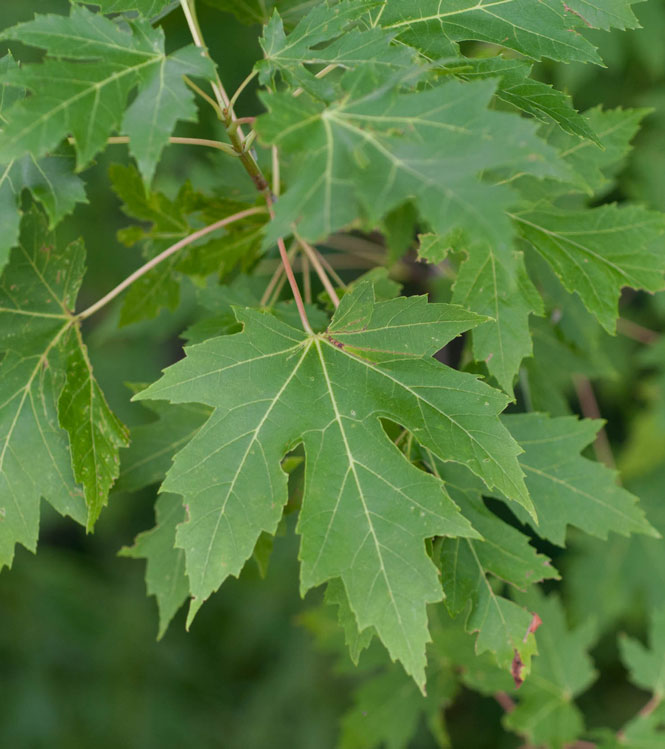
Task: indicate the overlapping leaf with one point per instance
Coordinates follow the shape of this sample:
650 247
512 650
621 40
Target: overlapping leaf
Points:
568 489
50 179
517 88
593 168
485 285
325 23
473 570
260 11
597 252
147 8
605 14
537 30
165 565
41 366
366 511
647 666
376 148
171 220
93 64
546 713
154 444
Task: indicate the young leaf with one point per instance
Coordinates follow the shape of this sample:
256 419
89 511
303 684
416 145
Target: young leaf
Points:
647 666
597 252
377 148
546 713
365 509
81 89
165 569
536 30
289 54
154 444
566 488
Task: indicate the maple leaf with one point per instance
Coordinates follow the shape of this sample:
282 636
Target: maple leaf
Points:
170 221
165 568
485 286
536 30
147 8
596 252
81 89
51 179
154 444
605 15
566 488
367 154
366 511
470 569
636 575
647 666
303 46
516 87
260 11
546 713
45 379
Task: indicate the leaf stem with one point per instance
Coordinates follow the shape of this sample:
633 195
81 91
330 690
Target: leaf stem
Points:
163 255
276 179
273 284
286 262
205 96
242 87
177 140
306 280
637 332
294 287
313 256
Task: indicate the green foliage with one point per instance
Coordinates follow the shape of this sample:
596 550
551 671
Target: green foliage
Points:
412 423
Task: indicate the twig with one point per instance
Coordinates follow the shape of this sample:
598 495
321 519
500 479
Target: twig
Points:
306 280
312 254
357 246
231 122
163 255
506 701
590 410
650 706
276 181
331 271
636 332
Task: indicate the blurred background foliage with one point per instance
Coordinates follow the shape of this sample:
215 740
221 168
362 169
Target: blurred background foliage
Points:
79 663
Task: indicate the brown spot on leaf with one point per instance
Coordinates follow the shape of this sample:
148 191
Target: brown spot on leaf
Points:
516 668
536 621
